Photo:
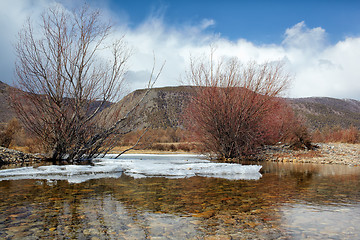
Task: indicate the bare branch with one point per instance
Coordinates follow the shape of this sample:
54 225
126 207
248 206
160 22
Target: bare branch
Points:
232 102
66 82
135 145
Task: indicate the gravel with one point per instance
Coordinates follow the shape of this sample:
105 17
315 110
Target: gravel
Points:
325 153
10 156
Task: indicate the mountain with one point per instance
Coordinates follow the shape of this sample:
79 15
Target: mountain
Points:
160 108
163 107
320 112
7 112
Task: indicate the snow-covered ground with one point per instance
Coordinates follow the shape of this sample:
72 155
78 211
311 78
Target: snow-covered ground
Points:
137 166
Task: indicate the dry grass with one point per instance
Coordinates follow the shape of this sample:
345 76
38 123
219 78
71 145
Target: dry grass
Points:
160 148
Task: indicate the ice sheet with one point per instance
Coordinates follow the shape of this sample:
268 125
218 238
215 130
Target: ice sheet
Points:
71 173
179 166
137 166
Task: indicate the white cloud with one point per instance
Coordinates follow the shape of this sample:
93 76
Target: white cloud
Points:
207 23
299 36
320 68
12 17
327 71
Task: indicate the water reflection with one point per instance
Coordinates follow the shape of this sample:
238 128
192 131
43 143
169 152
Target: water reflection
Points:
289 201
321 170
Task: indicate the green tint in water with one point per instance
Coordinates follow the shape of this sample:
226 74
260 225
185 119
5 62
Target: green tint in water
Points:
289 201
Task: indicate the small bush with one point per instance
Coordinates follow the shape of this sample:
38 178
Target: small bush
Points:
185 147
159 147
34 145
337 134
7 135
350 135
301 138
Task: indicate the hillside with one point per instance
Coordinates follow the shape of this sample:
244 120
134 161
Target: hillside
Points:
322 112
6 112
162 108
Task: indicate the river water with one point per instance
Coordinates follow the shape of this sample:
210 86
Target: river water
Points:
283 201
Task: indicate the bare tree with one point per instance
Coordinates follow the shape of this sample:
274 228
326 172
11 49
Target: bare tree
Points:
68 71
231 104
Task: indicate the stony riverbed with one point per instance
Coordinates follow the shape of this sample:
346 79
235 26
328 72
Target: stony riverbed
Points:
324 153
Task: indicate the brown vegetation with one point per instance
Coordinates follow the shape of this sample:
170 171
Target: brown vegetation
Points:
337 134
160 139
14 136
9 132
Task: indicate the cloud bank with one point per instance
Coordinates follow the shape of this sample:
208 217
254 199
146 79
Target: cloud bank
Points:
319 68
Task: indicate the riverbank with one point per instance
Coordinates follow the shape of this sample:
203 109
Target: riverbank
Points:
118 150
325 153
10 156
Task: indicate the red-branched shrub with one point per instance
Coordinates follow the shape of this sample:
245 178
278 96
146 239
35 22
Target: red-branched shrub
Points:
337 134
236 109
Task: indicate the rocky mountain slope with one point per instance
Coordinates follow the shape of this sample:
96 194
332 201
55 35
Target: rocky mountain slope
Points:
322 112
162 107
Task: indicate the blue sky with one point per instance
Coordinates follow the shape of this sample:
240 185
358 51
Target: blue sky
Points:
319 41
257 21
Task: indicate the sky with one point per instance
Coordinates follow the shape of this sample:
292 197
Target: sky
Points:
319 41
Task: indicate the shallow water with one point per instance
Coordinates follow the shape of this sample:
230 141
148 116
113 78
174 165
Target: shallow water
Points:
289 201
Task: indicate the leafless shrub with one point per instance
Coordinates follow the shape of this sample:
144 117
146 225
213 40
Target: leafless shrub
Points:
231 103
337 134
300 137
65 82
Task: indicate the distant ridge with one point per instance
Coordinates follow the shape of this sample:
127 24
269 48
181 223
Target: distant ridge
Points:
320 112
163 107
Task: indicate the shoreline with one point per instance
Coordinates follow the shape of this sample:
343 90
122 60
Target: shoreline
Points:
325 153
10 156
